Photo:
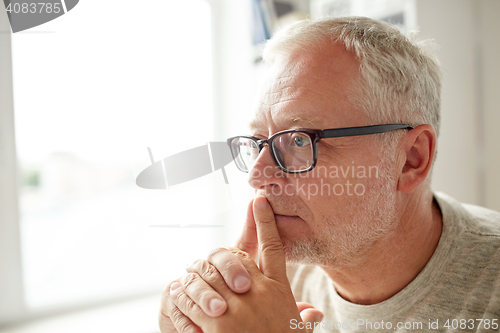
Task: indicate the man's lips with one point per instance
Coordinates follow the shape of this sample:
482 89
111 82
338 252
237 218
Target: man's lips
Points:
285 218
280 209
284 215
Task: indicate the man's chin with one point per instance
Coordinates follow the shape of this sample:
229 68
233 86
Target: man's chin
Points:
300 252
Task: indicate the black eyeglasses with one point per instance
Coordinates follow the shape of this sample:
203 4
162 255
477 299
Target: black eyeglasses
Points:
295 150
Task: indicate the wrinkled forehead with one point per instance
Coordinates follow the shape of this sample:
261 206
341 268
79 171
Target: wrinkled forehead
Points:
308 91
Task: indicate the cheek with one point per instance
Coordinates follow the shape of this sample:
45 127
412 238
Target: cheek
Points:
330 182
336 190
322 196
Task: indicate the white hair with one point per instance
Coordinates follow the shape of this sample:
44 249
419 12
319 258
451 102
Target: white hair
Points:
401 79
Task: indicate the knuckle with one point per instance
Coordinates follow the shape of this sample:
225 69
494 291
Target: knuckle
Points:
240 254
208 272
189 303
271 247
189 279
215 252
211 273
177 316
184 303
181 322
231 266
206 269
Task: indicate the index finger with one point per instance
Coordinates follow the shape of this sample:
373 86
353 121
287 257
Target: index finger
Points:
271 256
248 241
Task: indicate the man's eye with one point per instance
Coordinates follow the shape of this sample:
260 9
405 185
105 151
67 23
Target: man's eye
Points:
301 141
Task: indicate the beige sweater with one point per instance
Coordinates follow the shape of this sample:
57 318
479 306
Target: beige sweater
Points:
457 291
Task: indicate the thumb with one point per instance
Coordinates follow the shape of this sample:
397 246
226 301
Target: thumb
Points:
248 239
271 257
311 316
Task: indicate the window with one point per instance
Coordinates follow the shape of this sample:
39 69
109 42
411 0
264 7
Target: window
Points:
92 90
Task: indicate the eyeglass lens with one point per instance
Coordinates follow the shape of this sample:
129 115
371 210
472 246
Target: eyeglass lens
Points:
293 151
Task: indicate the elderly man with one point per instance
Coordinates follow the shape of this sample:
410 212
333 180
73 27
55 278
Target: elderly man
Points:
340 156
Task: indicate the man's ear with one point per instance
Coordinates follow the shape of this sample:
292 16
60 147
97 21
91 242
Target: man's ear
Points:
419 146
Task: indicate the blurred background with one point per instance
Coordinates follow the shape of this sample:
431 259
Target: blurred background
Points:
82 248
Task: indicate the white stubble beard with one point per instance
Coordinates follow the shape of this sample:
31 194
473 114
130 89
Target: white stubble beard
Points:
343 241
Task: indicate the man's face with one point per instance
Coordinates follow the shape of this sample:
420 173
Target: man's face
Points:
334 213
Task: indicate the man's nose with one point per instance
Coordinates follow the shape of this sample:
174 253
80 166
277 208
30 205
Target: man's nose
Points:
265 171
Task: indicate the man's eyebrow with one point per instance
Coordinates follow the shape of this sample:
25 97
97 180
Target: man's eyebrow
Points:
297 121
289 122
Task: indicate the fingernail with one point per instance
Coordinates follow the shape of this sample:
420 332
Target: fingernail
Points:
241 282
261 203
175 288
215 305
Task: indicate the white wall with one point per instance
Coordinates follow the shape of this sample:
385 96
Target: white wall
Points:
236 76
469 49
236 82
490 55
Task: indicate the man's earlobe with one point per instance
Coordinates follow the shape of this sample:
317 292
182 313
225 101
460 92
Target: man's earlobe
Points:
419 147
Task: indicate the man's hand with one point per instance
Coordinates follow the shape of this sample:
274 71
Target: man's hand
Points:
206 298
268 306
220 261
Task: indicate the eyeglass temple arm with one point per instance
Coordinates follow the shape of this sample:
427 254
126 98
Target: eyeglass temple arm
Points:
362 130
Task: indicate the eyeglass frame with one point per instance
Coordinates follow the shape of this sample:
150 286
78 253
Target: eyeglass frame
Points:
317 135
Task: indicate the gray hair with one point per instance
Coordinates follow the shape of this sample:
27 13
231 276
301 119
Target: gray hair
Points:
401 79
